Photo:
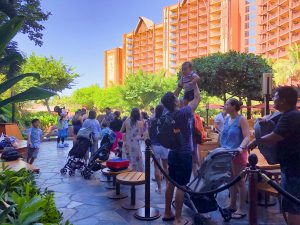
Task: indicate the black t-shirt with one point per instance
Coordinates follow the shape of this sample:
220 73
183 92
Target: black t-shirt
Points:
288 127
116 125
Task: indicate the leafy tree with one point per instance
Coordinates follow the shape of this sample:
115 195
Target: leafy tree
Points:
55 75
143 90
33 14
287 71
232 74
86 96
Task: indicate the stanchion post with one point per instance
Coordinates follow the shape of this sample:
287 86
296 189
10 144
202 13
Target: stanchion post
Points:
253 176
147 213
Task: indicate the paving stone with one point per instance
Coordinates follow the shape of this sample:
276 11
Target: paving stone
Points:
74 204
67 213
88 221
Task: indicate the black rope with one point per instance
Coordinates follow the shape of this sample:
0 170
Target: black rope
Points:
284 193
184 189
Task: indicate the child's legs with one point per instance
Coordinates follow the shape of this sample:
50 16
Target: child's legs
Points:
62 140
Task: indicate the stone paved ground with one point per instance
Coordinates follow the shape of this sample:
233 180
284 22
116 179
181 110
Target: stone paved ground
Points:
84 202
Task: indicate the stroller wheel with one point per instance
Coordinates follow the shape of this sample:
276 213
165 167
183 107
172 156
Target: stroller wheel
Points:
87 176
198 219
226 214
63 171
71 173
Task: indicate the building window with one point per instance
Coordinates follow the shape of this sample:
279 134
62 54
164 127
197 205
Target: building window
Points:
173 56
252 7
252 49
172 63
252 41
172 41
252 23
252 32
129 46
173 49
173 27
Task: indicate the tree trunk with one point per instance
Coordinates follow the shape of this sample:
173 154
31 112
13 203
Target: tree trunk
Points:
248 108
224 98
47 105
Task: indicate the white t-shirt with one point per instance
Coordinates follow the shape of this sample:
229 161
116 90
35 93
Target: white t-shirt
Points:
219 119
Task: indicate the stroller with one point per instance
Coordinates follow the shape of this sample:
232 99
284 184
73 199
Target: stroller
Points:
78 151
213 173
101 155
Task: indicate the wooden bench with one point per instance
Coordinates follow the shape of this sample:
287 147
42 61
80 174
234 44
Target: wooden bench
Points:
18 164
133 179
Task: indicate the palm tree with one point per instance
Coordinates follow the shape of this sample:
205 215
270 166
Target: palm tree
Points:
287 71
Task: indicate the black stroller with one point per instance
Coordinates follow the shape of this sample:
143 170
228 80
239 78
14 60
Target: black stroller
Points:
213 173
100 156
78 151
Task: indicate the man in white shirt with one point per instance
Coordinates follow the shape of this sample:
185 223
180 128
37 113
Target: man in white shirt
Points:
220 120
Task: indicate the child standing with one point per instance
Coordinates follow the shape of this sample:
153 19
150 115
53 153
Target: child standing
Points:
187 81
34 137
62 125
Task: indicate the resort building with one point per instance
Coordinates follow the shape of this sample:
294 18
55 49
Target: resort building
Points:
195 28
113 67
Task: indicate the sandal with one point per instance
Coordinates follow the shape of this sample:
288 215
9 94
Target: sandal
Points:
158 191
236 215
172 218
185 222
231 210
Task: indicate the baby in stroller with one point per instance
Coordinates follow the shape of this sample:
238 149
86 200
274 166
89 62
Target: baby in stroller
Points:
100 156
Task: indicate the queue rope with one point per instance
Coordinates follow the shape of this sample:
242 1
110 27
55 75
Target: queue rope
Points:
284 193
184 189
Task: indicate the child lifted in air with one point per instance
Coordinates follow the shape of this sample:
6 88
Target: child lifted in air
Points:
188 80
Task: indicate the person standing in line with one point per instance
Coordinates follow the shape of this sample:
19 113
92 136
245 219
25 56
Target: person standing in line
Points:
109 116
62 133
92 123
132 147
116 126
180 158
236 135
220 120
84 114
34 139
77 122
287 136
160 152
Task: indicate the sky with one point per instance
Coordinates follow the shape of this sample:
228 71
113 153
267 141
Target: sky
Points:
80 31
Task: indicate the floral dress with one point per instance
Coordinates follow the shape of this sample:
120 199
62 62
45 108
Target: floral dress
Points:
132 147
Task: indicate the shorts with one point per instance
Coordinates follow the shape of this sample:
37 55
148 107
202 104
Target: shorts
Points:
188 95
180 167
160 152
32 152
291 184
76 128
63 133
241 159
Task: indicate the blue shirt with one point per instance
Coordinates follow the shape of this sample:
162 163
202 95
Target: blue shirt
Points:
184 119
94 125
232 135
35 136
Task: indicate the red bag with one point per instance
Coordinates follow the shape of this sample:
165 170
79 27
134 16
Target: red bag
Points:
117 164
199 132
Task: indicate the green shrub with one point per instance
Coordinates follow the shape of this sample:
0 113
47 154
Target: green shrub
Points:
47 120
22 203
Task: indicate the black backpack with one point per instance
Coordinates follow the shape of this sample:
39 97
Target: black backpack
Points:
167 134
10 154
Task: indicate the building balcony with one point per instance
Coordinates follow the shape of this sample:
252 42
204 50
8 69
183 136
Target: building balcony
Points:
281 53
272 17
281 2
215 26
296 15
283 42
295 26
215 42
272 6
296 37
202 37
214 18
215 2
283 21
283 10
295 3
193 8
215 9
272 36
271 47
272 26
183 18
215 34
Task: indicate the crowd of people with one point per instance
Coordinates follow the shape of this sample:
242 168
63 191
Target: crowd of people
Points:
181 159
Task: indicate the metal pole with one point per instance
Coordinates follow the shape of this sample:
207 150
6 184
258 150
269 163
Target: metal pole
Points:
147 213
207 109
253 173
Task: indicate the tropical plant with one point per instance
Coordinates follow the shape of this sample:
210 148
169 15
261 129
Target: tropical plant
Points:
232 74
34 16
7 31
287 70
22 203
54 75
